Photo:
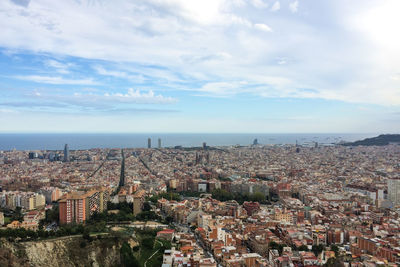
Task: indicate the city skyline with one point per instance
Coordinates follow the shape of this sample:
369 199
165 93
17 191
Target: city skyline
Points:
199 67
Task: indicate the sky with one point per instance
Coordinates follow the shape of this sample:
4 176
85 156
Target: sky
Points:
215 66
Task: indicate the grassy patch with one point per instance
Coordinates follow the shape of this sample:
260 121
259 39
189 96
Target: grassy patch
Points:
7 220
148 246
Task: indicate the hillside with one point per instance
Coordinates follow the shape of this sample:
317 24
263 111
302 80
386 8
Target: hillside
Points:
65 251
381 140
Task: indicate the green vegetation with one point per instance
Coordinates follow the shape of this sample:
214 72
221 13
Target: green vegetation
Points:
124 214
224 179
18 233
263 177
274 245
121 216
381 140
52 215
91 226
335 249
303 248
7 220
82 244
333 262
147 216
190 194
317 249
146 206
149 245
169 196
17 215
127 257
65 230
223 195
123 206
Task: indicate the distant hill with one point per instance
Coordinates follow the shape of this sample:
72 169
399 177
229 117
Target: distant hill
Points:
381 140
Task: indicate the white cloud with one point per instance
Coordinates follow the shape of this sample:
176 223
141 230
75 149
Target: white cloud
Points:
132 100
276 6
197 42
55 80
294 6
6 110
395 77
136 96
262 27
118 74
259 3
282 61
379 23
205 12
221 88
62 68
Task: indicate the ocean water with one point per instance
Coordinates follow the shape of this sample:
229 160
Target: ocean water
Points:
87 141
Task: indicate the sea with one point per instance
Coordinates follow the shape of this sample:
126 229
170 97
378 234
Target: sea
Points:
75 141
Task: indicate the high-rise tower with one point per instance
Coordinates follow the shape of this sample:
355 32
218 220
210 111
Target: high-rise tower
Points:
394 190
66 153
159 142
149 142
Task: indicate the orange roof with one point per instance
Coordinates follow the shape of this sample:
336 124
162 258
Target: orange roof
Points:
187 248
139 194
166 231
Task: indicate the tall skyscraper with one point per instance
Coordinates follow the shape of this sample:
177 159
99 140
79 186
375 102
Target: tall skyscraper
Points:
394 190
149 143
66 153
204 145
159 142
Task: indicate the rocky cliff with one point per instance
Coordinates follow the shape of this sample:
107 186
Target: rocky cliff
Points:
62 252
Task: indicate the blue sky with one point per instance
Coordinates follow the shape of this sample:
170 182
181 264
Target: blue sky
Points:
285 66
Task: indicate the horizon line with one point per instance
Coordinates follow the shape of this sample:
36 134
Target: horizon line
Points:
193 133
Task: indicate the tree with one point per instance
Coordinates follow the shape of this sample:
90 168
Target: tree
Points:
333 262
146 206
303 248
169 219
335 249
257 197
148 242
127 257
222 195
86 235
147 215
17 215
274 245
82 244
317 249
169 196
165 245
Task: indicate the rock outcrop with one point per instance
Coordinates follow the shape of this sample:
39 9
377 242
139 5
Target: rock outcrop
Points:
62 252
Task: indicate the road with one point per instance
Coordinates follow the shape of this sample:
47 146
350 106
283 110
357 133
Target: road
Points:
186 229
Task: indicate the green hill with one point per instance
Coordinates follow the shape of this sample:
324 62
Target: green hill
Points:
381 140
